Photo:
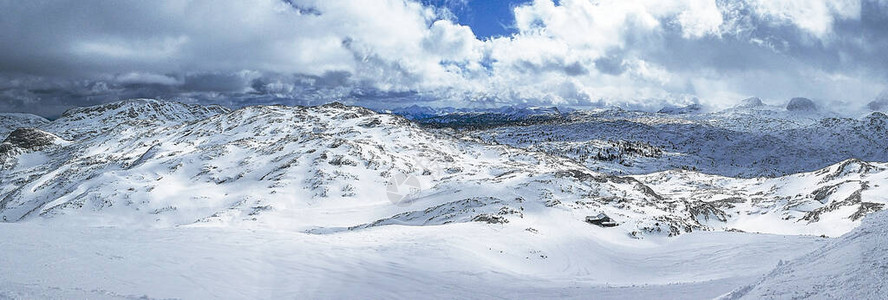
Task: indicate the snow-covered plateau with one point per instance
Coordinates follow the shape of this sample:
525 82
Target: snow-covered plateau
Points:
152 199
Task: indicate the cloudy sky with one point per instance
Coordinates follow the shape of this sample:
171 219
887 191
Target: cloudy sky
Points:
389 53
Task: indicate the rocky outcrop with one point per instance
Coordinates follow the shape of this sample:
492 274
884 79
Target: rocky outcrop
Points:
26 139
601 220
674 110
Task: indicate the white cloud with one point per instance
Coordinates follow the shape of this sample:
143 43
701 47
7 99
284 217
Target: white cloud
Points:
146 78
452 42
700 18
570 52
149 50
814 16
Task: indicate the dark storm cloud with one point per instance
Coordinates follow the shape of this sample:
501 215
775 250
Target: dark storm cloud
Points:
612 65
570 69
267 51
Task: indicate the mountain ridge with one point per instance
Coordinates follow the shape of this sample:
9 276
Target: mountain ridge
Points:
263 164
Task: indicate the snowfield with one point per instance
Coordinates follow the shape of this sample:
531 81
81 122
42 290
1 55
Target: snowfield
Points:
469 260
146 198
854 266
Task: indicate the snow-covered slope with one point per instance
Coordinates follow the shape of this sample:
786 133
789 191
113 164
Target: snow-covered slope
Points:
13 121
830 201
563 260
282 162
333 168
343 196
854 266
89 121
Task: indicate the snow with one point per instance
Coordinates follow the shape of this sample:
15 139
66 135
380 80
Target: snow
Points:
458 260
294 167
13 121
851 267
745 141
168 200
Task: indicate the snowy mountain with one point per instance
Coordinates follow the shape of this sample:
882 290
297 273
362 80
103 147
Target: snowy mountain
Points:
337 179
478 118
24 140
746 141
88 121
169 164
257 160
12 121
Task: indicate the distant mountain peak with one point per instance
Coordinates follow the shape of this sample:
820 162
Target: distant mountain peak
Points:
136 108
12 121
801 104
87 121
676 110
751 102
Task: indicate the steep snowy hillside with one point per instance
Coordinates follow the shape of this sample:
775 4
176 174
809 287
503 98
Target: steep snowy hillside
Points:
746 141
854 266
13 121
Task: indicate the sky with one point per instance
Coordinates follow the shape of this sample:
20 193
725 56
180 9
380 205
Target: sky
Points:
636 54
487 19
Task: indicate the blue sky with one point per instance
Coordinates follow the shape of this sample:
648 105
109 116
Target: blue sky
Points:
487 18
634 54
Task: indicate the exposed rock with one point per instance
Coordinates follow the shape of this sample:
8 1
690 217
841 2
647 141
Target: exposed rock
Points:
707 211
601 220
849 166
674 110
490 219
876 119
27 139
